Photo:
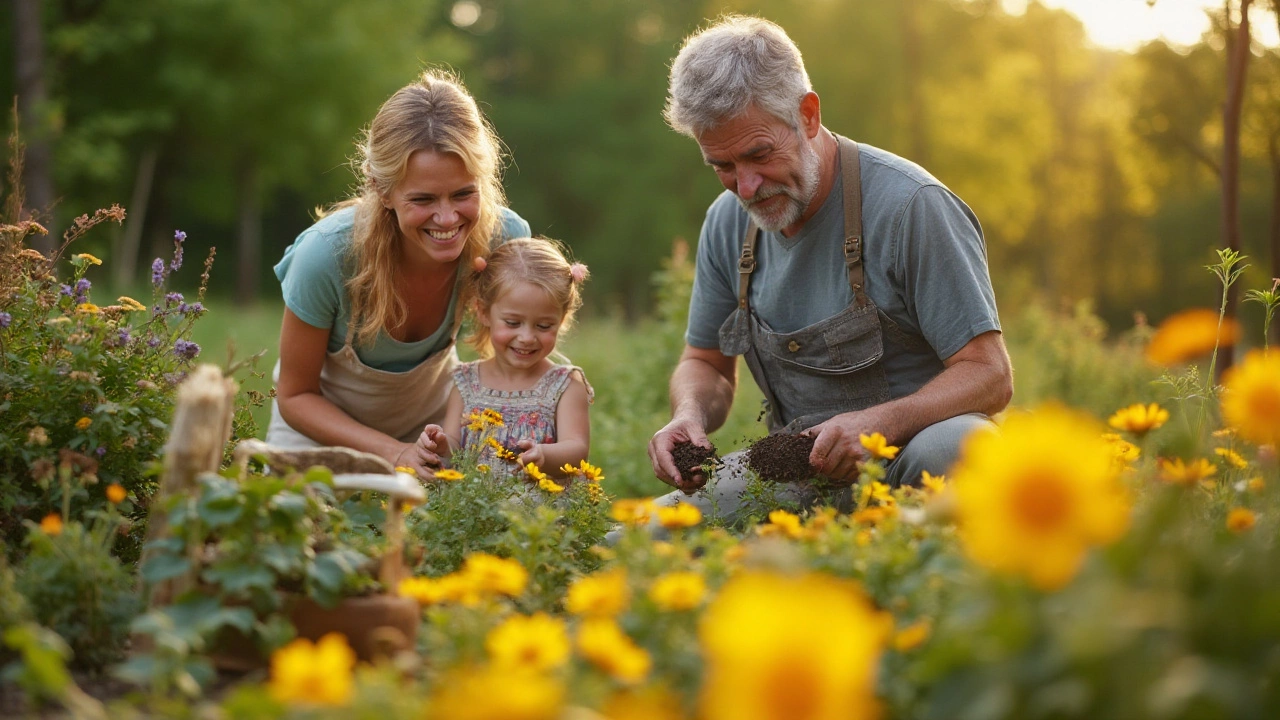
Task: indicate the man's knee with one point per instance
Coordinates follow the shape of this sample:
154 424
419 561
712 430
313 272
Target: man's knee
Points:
934 449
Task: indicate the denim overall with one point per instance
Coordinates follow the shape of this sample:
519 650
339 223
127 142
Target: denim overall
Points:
832 366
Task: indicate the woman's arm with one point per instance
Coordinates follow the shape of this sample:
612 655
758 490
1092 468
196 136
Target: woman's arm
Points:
303 349
573 432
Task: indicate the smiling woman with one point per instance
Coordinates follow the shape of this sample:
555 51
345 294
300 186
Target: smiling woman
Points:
372 290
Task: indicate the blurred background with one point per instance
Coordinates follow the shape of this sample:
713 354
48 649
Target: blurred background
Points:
1088 135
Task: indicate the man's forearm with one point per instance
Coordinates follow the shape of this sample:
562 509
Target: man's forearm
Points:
701 393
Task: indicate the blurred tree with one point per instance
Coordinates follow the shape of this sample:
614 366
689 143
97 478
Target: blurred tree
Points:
37 198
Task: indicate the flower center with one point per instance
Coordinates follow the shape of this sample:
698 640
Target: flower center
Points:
1040 501
792 689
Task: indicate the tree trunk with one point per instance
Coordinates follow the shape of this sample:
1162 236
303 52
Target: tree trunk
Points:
125 257
911 50
37 175
1237 68
1273 151
248 236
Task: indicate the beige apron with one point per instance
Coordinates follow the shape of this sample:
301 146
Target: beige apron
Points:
399 404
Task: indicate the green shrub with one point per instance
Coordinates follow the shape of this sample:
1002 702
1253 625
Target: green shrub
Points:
87 387
75 586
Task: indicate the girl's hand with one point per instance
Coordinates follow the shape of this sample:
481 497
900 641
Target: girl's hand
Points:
532 454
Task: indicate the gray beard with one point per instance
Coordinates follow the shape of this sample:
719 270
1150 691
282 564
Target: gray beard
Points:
798 199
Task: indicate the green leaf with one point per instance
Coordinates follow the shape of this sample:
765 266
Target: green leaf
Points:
218 511
236 578
318 474
159 568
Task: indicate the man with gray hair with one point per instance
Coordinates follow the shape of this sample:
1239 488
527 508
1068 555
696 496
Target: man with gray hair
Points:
852 280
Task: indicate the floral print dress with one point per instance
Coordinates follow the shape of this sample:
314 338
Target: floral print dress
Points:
526 414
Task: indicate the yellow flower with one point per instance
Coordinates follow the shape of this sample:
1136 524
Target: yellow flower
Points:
648 703
606 646
550 485
935 485
1178 473
88 308
116 493
483 468
912 636
84 423
678 591
86 257
590 472
493 417
319 674
630 511
491 573
603 594
682 515
1033 497
130 304
494 693
51 525
1251 397
406 470
475 421
782 647
529 642
501 452
1231 457
1139 419
448 475
595 492
1240 520
1190 334
535 473
878 446
785 523
427 591
1125 451
1256 484
873 515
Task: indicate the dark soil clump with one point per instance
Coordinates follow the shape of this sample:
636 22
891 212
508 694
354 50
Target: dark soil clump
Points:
691 458
782 457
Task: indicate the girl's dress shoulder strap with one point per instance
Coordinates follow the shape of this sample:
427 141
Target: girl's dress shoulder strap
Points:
558 377
467 376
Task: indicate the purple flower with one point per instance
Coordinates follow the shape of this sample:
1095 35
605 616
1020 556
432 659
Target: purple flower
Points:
6 318
66 290
153 342
173 297
178 237
157 272
121 339
174 378
197 307
100 451
186 349
83 285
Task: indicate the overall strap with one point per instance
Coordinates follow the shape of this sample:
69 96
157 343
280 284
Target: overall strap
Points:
747 263
851 170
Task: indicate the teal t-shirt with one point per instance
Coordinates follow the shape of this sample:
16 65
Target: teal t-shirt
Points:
924 261
313 274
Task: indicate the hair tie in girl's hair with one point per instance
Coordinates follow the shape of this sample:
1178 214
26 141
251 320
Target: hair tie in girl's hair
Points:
578 272
479 264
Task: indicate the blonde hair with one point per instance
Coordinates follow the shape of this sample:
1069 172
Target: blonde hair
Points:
435 113
541 262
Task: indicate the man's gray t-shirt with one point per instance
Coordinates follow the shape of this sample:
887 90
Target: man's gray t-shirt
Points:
924 258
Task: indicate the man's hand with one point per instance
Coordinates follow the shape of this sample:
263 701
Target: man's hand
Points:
664 465
837 449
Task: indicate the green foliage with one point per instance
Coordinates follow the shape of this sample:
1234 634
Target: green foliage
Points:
88 388
74 586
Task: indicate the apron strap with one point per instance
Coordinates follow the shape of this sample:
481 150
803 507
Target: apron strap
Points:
851 171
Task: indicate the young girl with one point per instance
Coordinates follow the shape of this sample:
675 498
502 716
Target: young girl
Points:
525 299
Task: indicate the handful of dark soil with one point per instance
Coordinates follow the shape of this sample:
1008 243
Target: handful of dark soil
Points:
782 457
691 458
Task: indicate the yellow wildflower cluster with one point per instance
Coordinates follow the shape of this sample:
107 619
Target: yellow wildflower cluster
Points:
678 516
130 304
1179 473
448 475
1032 498
1231 457
878 446
303 673
535 642
778 647
584 470
1139 419
482 575
631 511
481 420
602 594
678 591
604 644
499 451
